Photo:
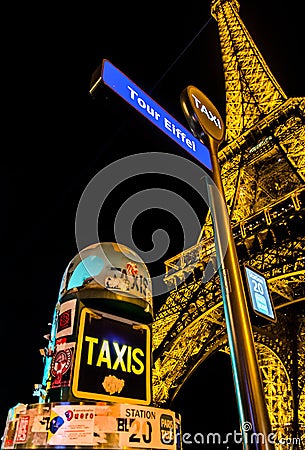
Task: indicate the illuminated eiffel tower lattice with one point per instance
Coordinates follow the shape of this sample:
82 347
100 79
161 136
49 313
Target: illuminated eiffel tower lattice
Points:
263 171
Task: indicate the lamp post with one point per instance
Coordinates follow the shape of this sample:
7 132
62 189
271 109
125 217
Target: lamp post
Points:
207 126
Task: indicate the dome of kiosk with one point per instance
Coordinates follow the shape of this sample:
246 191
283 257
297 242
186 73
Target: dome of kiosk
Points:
108 266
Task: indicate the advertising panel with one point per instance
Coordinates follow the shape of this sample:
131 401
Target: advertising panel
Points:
72 425
105 425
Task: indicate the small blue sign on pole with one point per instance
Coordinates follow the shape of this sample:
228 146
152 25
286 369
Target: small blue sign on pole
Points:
132 94
260 297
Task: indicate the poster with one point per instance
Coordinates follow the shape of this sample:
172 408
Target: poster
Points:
71 425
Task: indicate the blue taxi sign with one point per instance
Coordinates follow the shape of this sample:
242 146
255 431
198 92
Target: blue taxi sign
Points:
145 105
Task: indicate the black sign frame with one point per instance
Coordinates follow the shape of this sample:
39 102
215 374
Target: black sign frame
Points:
112 359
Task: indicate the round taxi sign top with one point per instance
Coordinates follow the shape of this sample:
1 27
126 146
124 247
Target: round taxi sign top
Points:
199 110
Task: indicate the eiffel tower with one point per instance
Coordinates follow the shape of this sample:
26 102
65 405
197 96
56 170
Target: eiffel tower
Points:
263 171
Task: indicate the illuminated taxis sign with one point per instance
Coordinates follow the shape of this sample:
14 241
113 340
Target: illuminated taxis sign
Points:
145 105
113 359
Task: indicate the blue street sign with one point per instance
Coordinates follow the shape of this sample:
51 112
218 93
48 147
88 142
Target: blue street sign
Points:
145 105
259 294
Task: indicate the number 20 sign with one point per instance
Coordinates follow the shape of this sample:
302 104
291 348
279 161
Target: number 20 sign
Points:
259 294
147 426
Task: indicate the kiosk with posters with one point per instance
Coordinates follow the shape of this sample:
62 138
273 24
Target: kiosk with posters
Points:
96 386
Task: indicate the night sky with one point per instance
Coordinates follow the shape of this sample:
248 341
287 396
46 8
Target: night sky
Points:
58 138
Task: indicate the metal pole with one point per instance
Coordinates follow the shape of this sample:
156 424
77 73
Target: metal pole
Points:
253 413
254 418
